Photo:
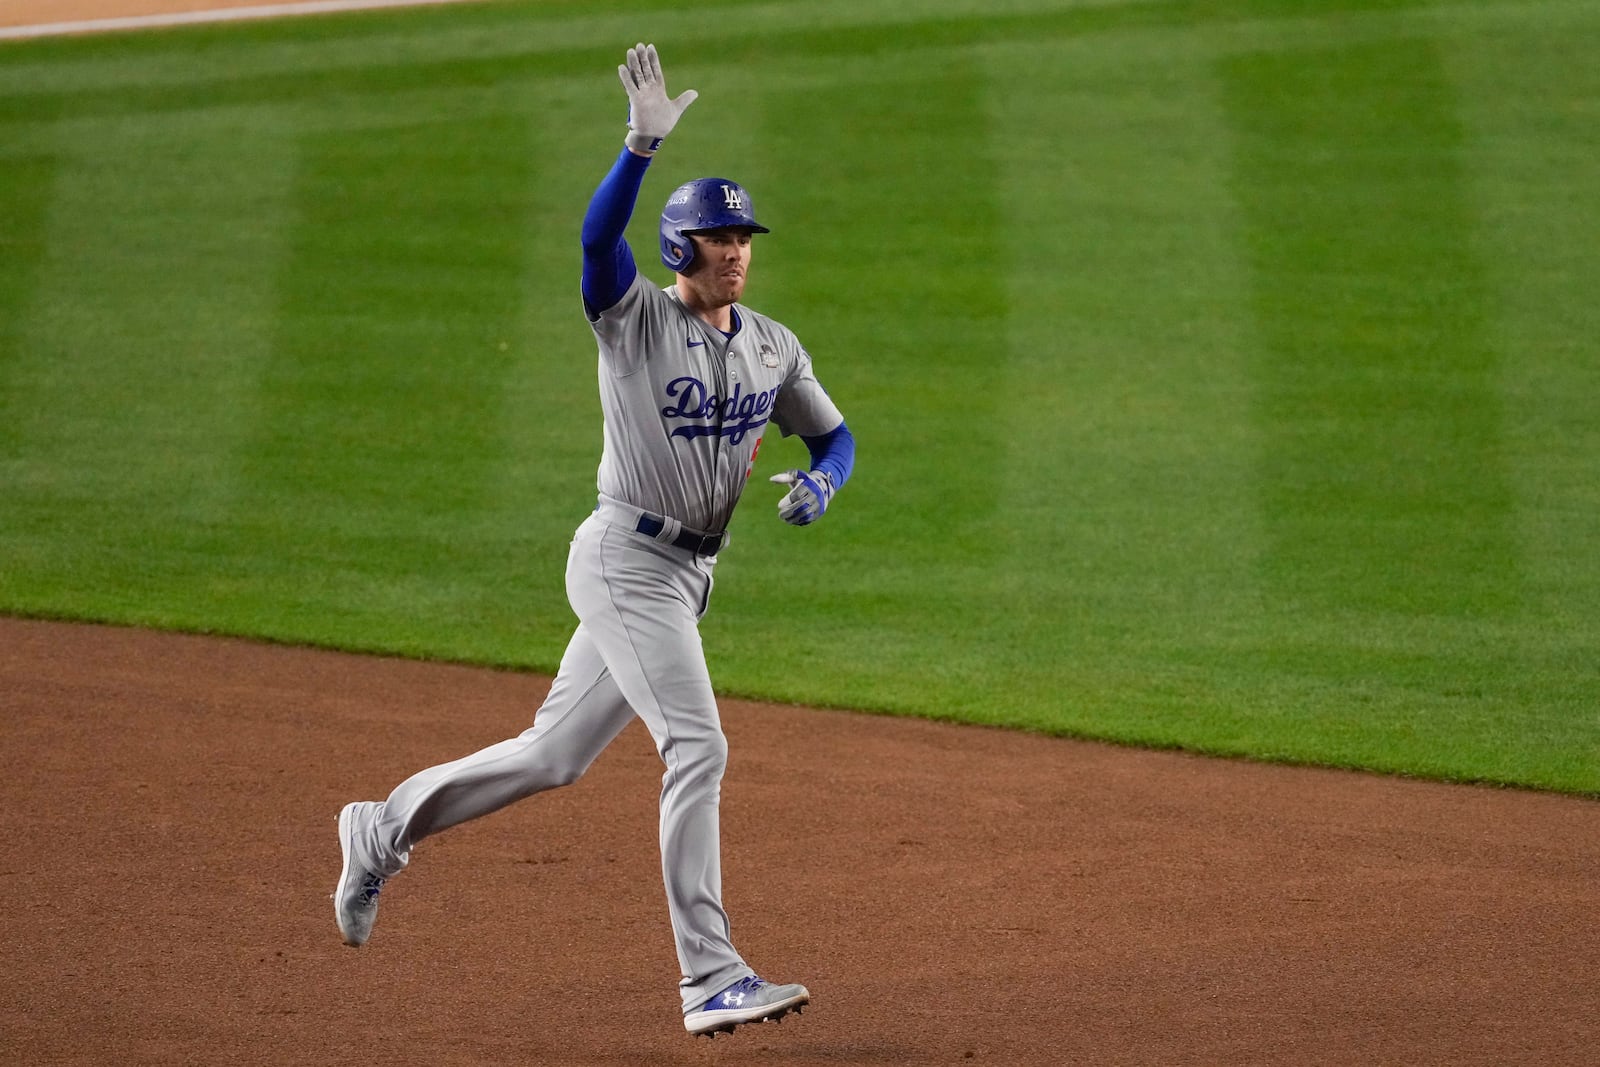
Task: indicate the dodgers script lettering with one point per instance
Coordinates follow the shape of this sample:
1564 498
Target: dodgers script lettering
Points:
731 417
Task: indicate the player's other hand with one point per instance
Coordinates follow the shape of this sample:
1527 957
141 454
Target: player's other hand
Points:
651 114
807 498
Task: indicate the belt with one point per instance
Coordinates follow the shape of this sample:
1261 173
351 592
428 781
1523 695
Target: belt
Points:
667 531
700 544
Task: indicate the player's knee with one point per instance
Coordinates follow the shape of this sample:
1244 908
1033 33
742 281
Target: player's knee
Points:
717 757
705 758
565 774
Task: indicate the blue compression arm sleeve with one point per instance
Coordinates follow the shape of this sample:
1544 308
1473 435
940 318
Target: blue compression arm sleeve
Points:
833 453
608 266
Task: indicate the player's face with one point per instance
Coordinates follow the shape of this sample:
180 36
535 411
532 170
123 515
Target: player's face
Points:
721 262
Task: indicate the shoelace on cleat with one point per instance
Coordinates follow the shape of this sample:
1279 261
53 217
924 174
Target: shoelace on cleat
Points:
371 886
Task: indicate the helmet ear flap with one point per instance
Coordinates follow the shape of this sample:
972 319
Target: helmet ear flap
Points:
675 256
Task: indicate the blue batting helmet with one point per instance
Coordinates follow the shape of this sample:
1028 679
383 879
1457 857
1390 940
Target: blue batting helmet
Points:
697 206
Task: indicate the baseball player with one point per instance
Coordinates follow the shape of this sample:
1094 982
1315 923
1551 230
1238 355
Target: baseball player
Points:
689 380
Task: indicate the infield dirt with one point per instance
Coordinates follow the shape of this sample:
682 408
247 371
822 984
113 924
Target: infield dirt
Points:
949 894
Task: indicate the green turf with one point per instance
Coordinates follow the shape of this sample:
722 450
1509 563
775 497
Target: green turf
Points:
1222 374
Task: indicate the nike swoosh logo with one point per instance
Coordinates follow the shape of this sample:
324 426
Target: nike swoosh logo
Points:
696 344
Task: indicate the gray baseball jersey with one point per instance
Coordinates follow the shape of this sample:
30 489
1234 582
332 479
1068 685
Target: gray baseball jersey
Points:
685 407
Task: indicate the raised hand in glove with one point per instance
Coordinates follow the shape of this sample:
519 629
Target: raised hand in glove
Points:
807 498
651 115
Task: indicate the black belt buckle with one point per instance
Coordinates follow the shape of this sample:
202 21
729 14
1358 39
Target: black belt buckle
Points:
700 546
652 525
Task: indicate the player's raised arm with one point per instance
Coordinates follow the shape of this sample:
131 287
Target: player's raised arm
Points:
608 266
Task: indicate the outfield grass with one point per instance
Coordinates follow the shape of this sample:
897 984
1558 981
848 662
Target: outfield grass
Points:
1223 374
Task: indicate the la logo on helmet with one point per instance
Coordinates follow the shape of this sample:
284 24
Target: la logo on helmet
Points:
731 198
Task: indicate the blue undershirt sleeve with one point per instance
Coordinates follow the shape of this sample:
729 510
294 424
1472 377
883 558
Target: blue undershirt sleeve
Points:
833 453
608 266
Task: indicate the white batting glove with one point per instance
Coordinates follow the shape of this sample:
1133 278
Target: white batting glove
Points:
807 499
651 115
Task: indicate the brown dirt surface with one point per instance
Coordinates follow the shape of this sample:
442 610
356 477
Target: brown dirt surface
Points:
950 894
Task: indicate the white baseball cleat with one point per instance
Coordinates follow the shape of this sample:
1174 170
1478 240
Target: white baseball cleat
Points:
749 1000
355 898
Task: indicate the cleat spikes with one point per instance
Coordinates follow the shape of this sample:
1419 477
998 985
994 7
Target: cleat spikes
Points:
749 1000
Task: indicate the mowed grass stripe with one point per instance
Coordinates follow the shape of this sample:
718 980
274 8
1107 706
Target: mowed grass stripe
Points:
141 339
27 195
27 185
1383 483
375 461
1532 180
1129 521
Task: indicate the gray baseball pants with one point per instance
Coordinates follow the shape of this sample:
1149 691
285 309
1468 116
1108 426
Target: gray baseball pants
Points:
636 651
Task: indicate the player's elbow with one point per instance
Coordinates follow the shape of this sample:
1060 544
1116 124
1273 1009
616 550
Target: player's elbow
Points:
597 244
